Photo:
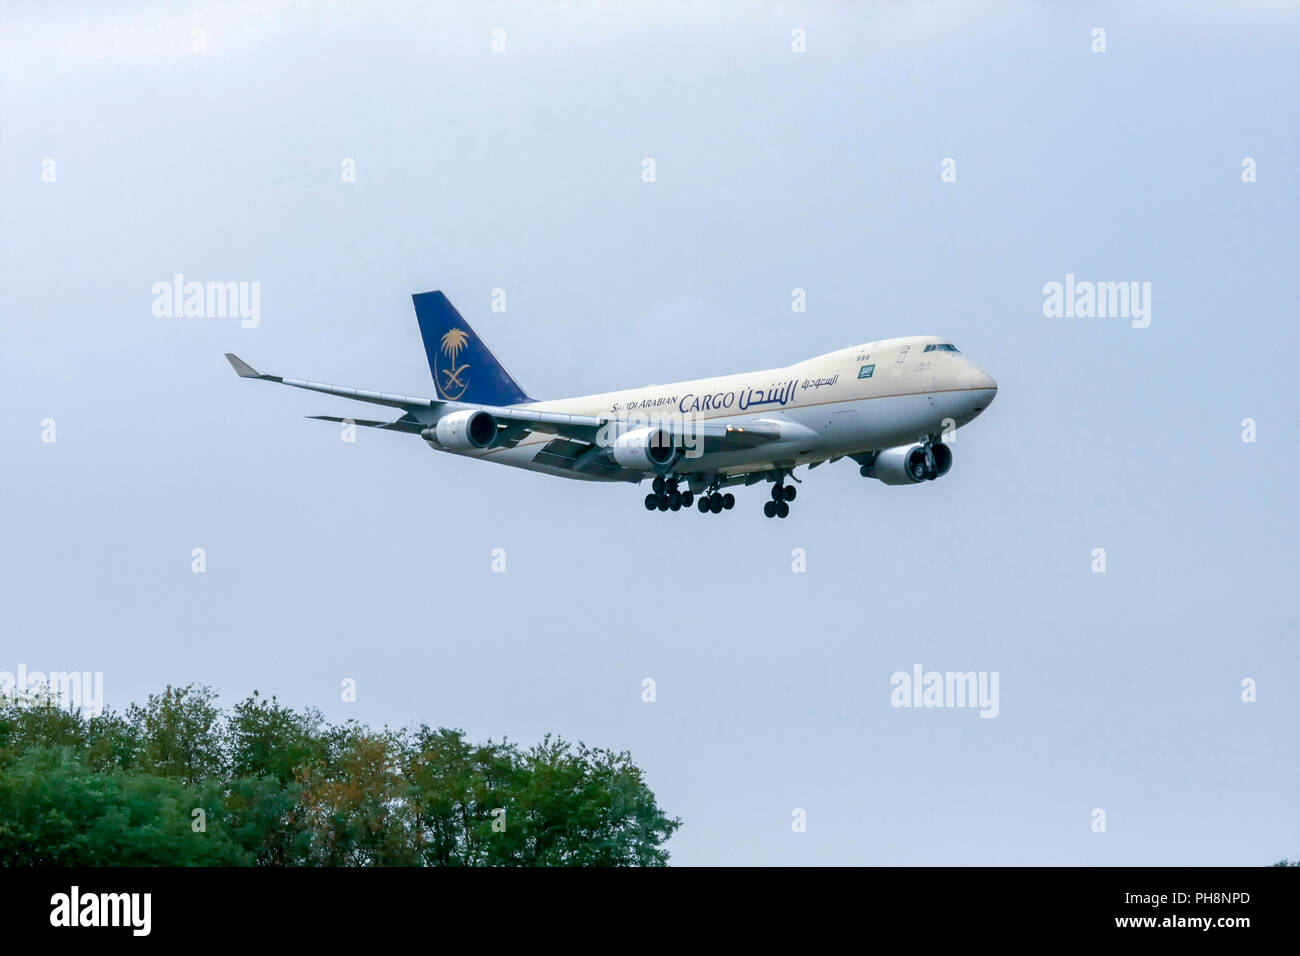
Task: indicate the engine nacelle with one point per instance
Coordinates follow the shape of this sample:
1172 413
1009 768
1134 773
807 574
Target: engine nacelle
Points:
643 449
909 464
463 431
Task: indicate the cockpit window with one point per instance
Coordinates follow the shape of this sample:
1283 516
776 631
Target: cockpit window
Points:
942 348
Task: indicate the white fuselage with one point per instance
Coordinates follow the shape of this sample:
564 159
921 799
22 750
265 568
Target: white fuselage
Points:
857 400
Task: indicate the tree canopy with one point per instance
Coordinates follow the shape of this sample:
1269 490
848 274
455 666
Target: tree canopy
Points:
179 781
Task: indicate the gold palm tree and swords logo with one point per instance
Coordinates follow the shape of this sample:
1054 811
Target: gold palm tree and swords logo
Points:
454 381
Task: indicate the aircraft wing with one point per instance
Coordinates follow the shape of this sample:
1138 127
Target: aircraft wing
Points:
580 427
245 370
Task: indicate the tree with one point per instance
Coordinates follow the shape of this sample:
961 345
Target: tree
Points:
267 747
352 804
277 787
56 811
179 733
28 721
265 738
583 807
453 787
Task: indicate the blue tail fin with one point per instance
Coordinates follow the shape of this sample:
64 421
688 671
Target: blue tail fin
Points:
464 369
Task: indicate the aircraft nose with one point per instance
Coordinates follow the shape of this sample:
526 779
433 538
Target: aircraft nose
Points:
980 379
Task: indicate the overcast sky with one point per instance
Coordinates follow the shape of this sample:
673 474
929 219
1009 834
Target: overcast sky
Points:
820 170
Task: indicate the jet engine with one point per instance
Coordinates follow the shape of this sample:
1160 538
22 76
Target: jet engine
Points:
643 449
909 464
463 431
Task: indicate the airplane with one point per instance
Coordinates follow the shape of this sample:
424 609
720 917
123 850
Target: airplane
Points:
885 405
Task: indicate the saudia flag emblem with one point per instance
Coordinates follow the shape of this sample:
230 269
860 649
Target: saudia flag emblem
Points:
454 380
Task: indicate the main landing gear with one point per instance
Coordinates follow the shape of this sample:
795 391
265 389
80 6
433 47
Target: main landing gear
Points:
716 503
782 495
667 496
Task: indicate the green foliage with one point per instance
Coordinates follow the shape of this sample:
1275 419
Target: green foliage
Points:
56 811
275 787
178 734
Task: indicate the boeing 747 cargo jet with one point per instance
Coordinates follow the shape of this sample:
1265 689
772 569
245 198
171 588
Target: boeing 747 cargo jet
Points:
885 405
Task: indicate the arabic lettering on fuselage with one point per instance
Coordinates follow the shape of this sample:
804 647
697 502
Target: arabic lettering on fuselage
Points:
739 399
819 382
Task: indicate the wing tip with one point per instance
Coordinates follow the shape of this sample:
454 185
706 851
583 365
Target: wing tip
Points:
242 368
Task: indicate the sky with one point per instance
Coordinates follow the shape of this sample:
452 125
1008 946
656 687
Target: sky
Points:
794 146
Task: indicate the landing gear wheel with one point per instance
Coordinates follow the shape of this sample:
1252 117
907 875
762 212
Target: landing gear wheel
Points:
651 502
661 502
782 509
688 498
777 492
670 485
674 499
715 503
728 501
790 492
658 485
769 508
703 504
